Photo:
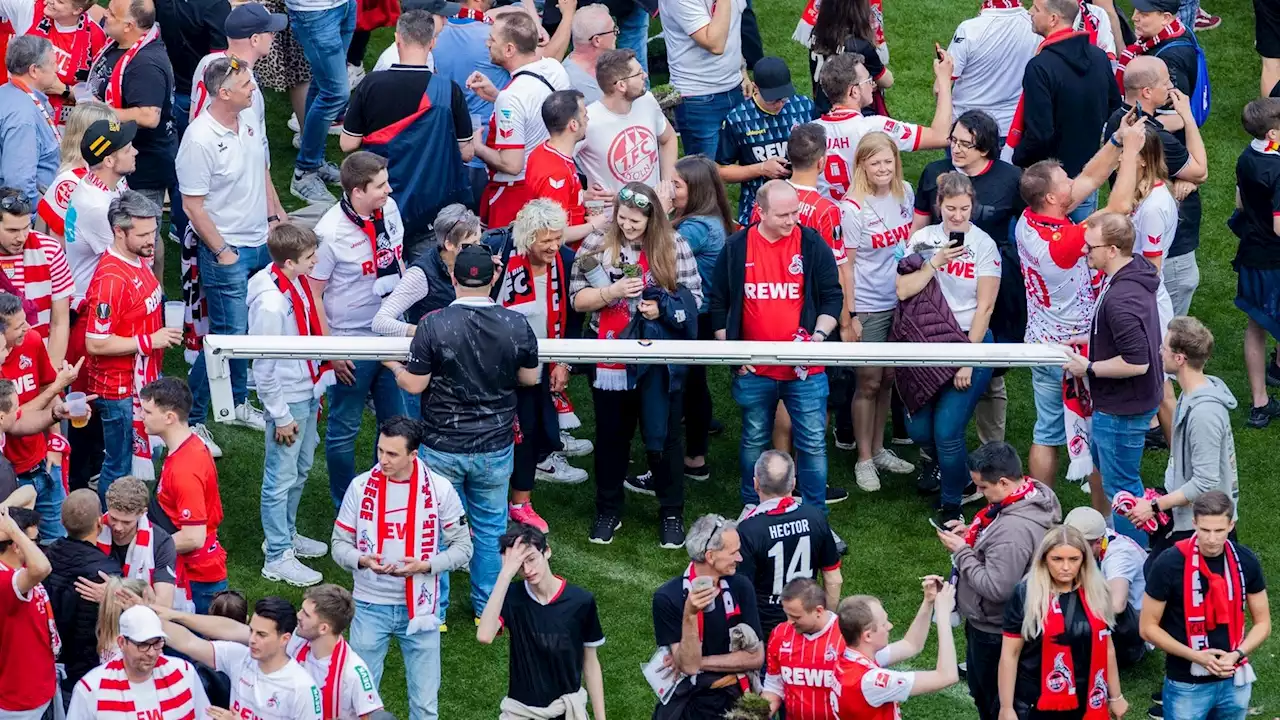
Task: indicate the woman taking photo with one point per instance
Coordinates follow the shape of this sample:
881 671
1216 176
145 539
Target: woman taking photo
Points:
1057 660
964 262
634 267
848 26
875 218
704 219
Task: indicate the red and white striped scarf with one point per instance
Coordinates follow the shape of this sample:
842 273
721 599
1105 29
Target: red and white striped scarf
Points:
140 559
195 324
1146 45
173 688
33 277
331 691
114 93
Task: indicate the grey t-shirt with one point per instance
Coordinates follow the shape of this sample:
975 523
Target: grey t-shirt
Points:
166 556
1124 559
582 81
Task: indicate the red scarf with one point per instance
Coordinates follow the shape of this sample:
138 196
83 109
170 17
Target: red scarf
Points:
1001 5
777 506
384 252
305 314
517 289
466 13
1057 667
1088 23
40 105
114 95
613 320
1210 600
988 514
139 559
1015 129
421 537
1145 45
331 693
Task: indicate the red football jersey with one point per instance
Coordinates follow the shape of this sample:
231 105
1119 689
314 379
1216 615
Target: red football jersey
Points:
548 173
866 691
26 647
29 368
123 300
803 667
188 494
773 295
822 215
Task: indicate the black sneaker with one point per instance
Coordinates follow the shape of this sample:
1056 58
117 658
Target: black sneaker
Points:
1155 440
604 528
700 473
1273 371
1156 712
671 533
836 495
930 480
948 513
715 428
1260 417
1157 697
844 439
642 484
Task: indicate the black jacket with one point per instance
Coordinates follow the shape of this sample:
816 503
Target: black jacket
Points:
822 293
1068 91
77 618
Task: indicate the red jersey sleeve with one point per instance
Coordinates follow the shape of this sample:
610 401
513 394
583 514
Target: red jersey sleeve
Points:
1067 249
105 299
45 373
772 660
829 227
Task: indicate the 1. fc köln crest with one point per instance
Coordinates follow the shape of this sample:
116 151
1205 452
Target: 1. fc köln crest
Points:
633 155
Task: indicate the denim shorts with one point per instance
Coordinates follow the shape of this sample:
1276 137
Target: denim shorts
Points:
1046 382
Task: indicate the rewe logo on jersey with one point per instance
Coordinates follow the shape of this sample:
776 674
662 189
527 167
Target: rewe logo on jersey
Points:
808 677
891 238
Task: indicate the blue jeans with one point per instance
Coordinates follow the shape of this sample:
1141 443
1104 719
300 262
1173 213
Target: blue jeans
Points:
698 118
806 403
1116 444
482 481
324 36
1084 209
202 594
284 472
346 412
371 630
940 425
226 288
1187 10
1220 700
117 442
633 34
49 497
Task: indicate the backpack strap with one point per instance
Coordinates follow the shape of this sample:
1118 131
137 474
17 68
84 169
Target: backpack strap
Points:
536 76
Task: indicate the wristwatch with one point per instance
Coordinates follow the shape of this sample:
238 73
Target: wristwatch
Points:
1088 368
273 218
822 332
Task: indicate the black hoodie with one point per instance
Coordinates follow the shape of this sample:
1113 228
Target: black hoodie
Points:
77 618
1068 91
1127 324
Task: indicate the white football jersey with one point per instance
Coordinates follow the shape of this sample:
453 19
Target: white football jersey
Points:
845 129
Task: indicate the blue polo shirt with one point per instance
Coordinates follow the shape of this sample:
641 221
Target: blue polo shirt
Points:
460 51
28 149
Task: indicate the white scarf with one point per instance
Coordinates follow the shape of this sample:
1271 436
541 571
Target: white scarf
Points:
572 706
140 559
422 534
172 684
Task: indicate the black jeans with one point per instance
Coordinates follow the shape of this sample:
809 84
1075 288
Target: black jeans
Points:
982 656
617 414
539 430
697 401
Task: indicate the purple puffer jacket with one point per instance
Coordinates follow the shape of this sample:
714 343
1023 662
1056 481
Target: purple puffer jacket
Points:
924 317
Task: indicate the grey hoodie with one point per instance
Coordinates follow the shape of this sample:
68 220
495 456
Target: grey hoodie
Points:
1203 454
990 570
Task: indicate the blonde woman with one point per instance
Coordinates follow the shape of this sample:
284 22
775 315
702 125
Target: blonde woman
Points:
876 218
635 266
109 612
52 209
1057 660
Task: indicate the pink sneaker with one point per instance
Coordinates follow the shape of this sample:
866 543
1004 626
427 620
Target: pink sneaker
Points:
527 515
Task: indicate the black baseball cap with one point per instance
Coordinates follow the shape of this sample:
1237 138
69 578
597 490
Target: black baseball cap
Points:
473 267
1165 6
773 78
435 7
250 19
104 137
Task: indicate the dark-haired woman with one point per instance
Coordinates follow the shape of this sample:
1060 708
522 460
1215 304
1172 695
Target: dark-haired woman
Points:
848 26
704 219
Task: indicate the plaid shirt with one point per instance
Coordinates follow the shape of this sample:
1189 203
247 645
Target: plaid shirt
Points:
686 271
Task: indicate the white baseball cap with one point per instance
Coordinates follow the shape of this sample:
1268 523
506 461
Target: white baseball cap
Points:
141 624
1088 521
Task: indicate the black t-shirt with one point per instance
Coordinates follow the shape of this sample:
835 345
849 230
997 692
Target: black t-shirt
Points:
472 351
855 44
1176 157
668 610
1258 180
8 479
1183 60
547 641
778 548
1078 636
389 96
162 549
147 82
998 200
191 29
1164 583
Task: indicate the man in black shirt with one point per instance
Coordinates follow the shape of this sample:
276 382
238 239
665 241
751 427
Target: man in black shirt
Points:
783 540
695 614
466 360
554 630
1194 610
1257 261
135 78
190 29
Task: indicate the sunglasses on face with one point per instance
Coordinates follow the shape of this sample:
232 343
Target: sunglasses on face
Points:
639 200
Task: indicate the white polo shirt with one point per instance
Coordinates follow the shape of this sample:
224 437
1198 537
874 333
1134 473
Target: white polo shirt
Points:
695 70
201 100
345 261
228 168
620 149
990 53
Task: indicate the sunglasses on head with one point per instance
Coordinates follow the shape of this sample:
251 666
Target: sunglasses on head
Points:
15 205
707 545
639 200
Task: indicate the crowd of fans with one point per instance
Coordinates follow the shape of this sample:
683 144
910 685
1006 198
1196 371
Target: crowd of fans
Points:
509 177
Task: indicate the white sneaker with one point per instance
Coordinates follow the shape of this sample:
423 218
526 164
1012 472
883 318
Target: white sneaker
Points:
249 416
557 469
355 73
202 432
864 472
288 570
305 547
888 461
293 123
575 447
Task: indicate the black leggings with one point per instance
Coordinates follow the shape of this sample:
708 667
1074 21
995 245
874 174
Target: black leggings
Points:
539 430
697 401
617 414
359 44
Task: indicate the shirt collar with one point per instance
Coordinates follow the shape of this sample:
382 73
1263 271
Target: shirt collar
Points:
476 301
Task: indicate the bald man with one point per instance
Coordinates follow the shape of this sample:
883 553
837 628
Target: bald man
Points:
593 32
